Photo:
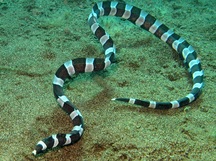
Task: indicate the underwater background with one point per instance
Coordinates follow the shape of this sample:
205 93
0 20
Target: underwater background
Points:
37 36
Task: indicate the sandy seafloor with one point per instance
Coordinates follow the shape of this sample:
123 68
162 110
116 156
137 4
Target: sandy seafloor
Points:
37 36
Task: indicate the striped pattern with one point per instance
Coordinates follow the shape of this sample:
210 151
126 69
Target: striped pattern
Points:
81 65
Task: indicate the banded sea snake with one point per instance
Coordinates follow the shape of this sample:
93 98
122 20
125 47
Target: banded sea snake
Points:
81 65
